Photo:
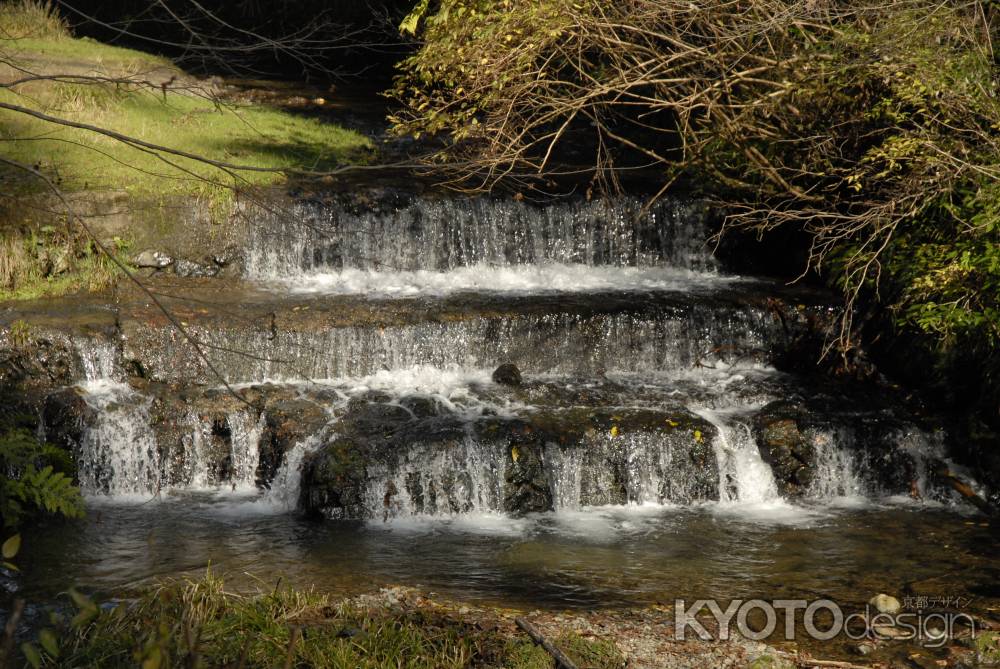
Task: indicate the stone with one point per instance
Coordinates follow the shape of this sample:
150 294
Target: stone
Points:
884 603
189 269
864 648
152 259
507 374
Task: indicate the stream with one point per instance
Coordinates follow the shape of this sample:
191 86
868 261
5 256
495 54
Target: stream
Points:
665 436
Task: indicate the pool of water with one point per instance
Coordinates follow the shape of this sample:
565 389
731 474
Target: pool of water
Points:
847 551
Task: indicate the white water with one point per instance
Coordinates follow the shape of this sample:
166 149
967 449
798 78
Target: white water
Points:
836 472
447 234
287 482
118 454
697 352
463 477
518 279
744 477
246 430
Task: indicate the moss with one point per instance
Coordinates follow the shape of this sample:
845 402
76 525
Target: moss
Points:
988 648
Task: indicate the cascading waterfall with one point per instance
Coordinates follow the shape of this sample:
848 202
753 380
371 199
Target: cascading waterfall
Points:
744 477
118 453
465 478
667 340
446 234
246 430
575 293
836 471
287 483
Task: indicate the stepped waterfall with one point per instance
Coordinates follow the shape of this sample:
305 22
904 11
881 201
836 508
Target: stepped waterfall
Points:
647 371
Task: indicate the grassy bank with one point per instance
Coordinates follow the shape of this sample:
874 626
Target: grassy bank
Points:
137 95
199 624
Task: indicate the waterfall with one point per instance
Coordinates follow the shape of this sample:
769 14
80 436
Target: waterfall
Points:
246 430
413 303
744 477
669 339
836 471
446 234
98 358
118 454
287 482
466 477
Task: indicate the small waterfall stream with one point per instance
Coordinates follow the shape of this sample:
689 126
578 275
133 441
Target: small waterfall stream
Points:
606 309
744 477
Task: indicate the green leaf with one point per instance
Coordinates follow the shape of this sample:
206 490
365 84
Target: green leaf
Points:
49 642
11 547
80 600
412 20
154 660
31 655
83 618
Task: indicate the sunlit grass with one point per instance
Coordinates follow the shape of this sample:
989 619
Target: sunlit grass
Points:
199 623
185 116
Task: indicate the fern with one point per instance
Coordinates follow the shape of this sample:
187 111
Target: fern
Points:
49 490
36 479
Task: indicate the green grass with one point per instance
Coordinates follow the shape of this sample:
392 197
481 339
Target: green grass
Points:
86 50
187 118
28 266
184 120
198 624
84 160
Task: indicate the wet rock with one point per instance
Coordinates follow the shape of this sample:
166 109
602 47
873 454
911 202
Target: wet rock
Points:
288 421
400 458
64 416
526 486
231 255
785 448
152 259
189 269
864 648
839 444
507 374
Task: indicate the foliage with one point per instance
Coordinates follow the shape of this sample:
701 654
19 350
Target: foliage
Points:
38 261
37 479
198 623
874 127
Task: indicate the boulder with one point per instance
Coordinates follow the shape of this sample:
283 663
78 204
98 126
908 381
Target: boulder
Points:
151 259
507 374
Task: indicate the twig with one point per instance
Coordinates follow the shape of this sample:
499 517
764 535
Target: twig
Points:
10 629
550 648
290 657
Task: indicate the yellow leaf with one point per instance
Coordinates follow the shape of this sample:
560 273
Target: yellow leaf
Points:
614 430
515 454
697 436
11 546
